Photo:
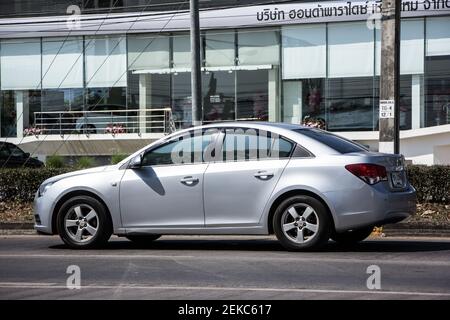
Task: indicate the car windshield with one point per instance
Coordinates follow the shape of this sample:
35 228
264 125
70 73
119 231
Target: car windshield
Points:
335 142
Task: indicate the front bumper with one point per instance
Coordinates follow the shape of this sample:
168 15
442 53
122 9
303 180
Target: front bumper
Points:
42 212
376 207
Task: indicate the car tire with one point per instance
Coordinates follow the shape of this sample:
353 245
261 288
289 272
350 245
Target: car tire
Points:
143 239
302 223
352 236
83 223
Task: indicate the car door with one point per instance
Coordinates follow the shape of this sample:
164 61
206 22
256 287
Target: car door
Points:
238 186
167 191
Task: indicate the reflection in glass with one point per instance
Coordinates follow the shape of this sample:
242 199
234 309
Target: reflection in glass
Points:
350 104
437 90
252 95
218 95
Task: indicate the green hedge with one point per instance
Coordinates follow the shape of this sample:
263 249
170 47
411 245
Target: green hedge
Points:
432 183
22 184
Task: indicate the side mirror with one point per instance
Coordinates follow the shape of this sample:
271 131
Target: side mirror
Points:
136 162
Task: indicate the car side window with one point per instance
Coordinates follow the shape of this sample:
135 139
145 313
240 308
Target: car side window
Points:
185 149
16 152
4 151
249 144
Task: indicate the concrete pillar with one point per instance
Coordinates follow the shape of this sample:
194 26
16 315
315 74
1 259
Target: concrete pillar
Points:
21 113
145 100
417 116
292 102
274 108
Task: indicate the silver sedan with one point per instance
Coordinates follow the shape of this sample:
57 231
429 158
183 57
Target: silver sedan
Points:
302 184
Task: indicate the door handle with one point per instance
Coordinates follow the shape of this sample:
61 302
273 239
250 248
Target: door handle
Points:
189 181
263 175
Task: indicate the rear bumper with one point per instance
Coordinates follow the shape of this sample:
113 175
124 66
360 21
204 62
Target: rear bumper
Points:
376 207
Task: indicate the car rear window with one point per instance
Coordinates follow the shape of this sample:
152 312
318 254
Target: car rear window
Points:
337 143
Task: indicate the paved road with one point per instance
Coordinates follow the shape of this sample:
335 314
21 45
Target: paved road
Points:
195 267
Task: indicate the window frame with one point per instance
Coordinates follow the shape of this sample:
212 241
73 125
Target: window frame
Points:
219 144
215 135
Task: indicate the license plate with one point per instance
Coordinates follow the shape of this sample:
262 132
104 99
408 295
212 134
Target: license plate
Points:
398 179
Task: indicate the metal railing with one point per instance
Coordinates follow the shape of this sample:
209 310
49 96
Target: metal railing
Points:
103 121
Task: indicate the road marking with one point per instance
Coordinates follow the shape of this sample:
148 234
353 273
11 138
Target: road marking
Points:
281 258
31 285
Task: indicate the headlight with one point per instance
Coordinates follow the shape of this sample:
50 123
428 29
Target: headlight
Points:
43 188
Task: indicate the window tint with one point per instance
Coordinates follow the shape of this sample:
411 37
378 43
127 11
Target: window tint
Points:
15 151
4 151
249 144
183 150
337 143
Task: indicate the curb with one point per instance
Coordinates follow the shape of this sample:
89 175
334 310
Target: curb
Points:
16 225
416 229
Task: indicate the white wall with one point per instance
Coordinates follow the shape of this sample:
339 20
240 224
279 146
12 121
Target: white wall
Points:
421 146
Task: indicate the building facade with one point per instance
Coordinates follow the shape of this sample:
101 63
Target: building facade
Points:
104 81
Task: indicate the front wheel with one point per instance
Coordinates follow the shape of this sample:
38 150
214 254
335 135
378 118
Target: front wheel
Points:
83 223
302 223
352 236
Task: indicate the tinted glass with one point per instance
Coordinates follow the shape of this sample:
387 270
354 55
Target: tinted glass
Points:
4 151
15 151
250 144
337 143
183 150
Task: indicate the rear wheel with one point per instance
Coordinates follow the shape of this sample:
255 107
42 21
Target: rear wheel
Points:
143 239
302 223
352 236
83 223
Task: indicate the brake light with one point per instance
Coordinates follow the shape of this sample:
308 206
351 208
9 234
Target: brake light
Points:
368 172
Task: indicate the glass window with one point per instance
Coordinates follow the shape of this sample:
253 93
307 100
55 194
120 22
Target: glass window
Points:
17 111
350 104
20 64
350 50
258 47
105 59
62 63
183 150
303 98
437 90
219 49
182 99
148 52
252 90
181 51
335 142
438 36
218 90
304 51
412 31
106 96
249 144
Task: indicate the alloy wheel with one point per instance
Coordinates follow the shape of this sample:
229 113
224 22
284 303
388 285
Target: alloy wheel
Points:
300 223
81 223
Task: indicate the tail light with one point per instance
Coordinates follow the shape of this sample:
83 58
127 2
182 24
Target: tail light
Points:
368 172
